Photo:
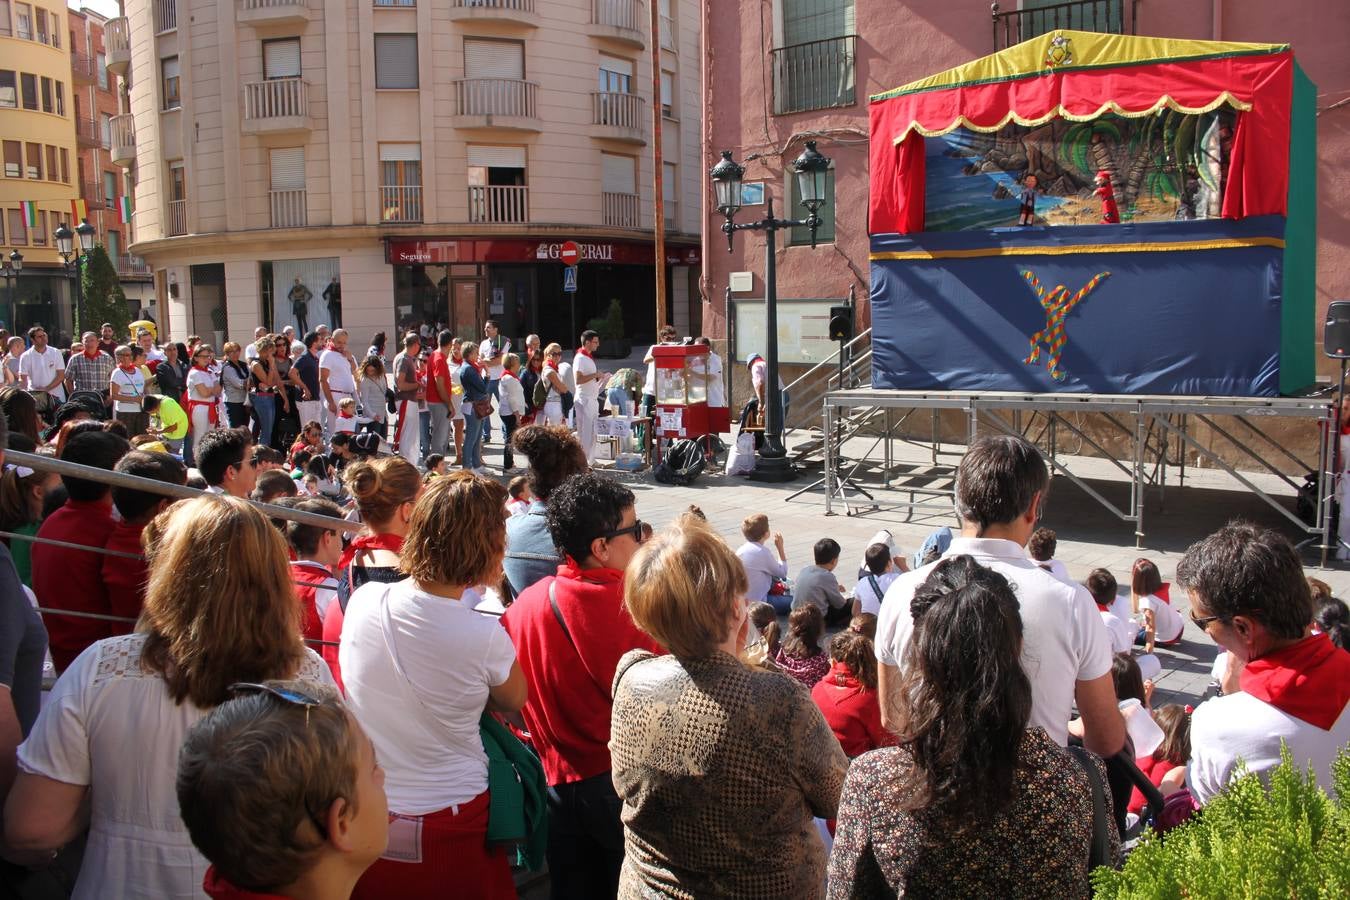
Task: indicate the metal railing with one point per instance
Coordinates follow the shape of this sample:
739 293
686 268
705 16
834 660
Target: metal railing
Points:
87 132
617 14
508 204
856 360
177 218
618 108
495 97
672 214
93 196
166 15
83 68
621 210
289 208
512 5
1108 16
255 5
815 75
401 203
276 98
132 265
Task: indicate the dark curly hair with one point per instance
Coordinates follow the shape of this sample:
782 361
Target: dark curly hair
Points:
963 698
583 508
806 624
554 453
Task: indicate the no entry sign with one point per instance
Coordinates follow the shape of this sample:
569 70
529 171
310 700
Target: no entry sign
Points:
570 253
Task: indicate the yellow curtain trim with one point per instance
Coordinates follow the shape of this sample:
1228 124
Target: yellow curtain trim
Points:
1165 101
1152 247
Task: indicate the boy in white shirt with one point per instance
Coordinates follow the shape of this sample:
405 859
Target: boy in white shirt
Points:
1101 584
871 588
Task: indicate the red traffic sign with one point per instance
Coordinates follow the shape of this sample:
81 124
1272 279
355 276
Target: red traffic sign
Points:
570 253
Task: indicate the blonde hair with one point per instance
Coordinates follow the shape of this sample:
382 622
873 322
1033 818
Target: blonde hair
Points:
347 403
266 343
381 486
219 605
511 362
230 347
552 349
683 587
457 533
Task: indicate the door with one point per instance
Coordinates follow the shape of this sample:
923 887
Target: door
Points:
466 308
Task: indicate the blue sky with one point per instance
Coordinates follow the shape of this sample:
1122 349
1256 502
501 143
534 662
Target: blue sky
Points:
106 7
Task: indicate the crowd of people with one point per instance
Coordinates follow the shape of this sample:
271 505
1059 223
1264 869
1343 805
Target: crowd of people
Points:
390 679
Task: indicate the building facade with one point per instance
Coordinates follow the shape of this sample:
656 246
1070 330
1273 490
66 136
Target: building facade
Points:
428 157
784 71
37 184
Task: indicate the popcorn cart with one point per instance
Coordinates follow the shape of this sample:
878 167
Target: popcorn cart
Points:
681 392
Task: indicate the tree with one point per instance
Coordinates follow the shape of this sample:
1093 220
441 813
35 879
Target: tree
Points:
104 300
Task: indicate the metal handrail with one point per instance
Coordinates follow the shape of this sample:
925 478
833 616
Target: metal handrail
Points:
810 400
831 360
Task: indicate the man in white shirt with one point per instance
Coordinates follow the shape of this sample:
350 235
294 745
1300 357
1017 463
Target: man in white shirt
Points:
665 336
759 376
250 351
491 352
42 371
589 379
717 391
1248 592
147 342
337 379
1000 490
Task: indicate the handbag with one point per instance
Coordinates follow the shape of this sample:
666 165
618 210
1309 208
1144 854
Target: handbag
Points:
482 408
391 401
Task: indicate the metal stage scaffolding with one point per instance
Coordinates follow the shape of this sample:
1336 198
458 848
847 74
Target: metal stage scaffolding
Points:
1147 422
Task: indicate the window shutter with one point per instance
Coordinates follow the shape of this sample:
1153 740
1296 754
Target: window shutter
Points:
281 59
395 61
288 169
670 188
618 174
667 90
496 157
170 67
494 59
401 153
619 66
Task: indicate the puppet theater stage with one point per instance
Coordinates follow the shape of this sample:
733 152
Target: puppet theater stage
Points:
1199 303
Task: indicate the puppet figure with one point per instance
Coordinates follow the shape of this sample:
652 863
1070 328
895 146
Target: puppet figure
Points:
1057 303
1110 214
1027 216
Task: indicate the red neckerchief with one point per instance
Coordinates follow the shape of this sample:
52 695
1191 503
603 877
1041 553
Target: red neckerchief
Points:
506 374
95 355
390 542
218 887
841 675
343 415
602 575
1104 607
128 368
201 368
584 352
1309 680
310 565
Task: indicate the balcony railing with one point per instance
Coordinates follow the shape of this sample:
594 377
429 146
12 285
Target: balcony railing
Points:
406 3
278 98
401 203
495 97
117 41
672 214
87 132
83 68
289 208
523 6
166 15
506 204
177 217
123 129
93 196
1017 25
626 14
814 75
132 266
272 12
618 109
620 210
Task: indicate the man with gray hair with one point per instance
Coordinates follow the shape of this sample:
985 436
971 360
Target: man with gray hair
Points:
337 378
90 369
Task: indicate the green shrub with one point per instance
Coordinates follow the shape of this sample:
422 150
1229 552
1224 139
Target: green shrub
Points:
610 325
1288 841
104 300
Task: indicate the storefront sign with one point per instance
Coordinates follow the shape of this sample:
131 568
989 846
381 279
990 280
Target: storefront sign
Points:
401 252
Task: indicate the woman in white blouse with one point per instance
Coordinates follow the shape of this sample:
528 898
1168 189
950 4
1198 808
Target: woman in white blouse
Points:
219 609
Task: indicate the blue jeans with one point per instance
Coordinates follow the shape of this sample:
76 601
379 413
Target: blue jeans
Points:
425 417
473 434
492 386
265 408
619 401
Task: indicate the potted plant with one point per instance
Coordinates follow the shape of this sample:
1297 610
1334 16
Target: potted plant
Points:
218 323
613 343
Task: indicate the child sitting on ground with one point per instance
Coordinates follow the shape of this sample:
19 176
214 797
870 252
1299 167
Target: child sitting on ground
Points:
1168 760
864 624
765 619
1162 623
519 491
1041 547
871 588
800 654
847 695
436 467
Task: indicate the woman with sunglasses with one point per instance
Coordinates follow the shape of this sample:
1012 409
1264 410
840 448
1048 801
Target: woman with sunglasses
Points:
551 375
219 609
203 394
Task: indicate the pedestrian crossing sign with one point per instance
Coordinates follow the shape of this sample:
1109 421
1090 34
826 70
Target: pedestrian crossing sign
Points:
570 280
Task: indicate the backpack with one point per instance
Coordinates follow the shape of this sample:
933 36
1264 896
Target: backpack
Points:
682 464
540 395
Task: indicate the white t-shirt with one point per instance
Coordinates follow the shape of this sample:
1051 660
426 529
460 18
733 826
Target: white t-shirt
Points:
250 352
1167 623
154 354
649 383
1121 631
485 352
340 377
1239 725
568 378
584 365
717 392
1063 639
203 377
426 737
762 565
129 384
114 726
1055 568
870 599
40 368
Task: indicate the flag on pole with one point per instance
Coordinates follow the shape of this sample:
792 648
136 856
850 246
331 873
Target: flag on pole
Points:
79 210
124 209
29 210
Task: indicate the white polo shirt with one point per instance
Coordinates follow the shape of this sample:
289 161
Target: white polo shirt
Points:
585 365
340 377
41 367
762 565
1063 639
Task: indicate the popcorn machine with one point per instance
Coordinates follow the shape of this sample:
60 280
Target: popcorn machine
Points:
681 391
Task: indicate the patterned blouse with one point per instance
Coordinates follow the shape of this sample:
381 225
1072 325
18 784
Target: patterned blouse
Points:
1036 848
806 669
721 768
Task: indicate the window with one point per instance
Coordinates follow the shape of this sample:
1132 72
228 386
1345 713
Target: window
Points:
60 98
110 188
13 159
113 244
65 165
37 235
28 84
169 68
616 75
53 173
47 104
667 25
618 174
105 130
396 61
494 59
281 58
401 165
23 20
9 89
177 181
670 193
42 25
18 228
814 66
56 31
34 154
668 94
101 70
4 19
288 169
825 233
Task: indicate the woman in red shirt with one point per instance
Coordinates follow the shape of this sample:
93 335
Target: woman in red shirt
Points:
847 695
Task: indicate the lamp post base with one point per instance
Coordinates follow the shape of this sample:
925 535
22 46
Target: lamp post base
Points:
773 469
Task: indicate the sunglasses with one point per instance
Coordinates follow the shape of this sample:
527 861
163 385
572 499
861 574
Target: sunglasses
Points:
1202 622
290 698
638 531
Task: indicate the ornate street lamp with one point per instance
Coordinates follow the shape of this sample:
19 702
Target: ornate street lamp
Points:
771 462
65 246
11 268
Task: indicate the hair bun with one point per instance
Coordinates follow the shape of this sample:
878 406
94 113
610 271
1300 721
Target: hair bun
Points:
363 480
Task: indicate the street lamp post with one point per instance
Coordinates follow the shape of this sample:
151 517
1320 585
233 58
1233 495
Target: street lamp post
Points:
65 245
11 269
771 462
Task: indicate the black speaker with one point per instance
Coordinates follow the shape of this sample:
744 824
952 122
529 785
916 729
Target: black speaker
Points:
841 323
1336 330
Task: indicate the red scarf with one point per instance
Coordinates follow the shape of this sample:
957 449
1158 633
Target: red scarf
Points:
201 368
95 355
391 542
129 367
212 407
1309 679
218 887
507 374
584 352
1104 607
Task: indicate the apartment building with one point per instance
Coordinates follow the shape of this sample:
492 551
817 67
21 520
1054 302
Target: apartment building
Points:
784 71
37 137
430 157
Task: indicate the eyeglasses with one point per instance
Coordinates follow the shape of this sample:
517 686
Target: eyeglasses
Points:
638 531
1202 622
291 698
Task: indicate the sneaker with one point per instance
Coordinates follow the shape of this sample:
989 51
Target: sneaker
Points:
479 471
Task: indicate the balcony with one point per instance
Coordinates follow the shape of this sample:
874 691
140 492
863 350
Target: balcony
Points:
401 203
132 267
276 106
501 12
93 198
165 14
272 12
289 209
123 129
117 45
177 223
499 204
496 103
619 20
1107 16
621 210
618 116
814 75
87 132
83 69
